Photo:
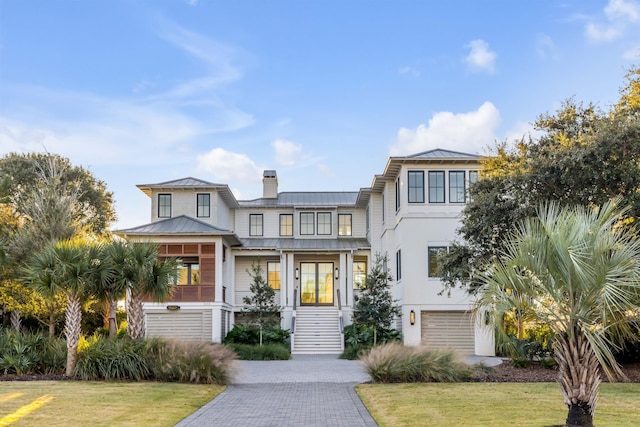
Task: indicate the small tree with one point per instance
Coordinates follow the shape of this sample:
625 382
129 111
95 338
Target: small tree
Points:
261 305
375 306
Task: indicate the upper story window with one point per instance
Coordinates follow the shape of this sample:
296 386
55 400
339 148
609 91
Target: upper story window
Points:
255 225
344 224
286 224
324 223
457 189
164 205
416 186
397 194
359 274
436 186
398 265
366 214
383 208
273 275
435 252
473 178
204 205
307 224
189 272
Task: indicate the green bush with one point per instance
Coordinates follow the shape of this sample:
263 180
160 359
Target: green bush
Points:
395 363
359 338
189 361
261 352
548 363
31 353
249 334
101 358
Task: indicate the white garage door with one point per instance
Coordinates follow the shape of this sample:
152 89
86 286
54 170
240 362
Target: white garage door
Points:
448 330
182 324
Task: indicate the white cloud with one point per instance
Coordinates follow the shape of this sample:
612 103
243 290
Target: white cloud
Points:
409 70
632 54
545 47
227 166
480 57
597 33
286 152
467 132
621 9
618 14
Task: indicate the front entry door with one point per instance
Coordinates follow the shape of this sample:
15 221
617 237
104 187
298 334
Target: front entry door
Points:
316 279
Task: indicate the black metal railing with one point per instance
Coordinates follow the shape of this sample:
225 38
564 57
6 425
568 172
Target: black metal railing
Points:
340 311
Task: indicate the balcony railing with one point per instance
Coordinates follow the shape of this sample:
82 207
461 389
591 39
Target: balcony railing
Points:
191 293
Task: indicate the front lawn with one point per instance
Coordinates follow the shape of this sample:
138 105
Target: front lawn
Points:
491 404
89 403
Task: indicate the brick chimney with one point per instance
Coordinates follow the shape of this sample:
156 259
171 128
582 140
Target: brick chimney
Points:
270 184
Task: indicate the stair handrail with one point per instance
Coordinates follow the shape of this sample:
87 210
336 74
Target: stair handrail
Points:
340 311
293 314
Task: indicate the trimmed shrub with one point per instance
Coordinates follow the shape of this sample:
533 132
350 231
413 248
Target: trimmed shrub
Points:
189 361
23 353
261 352
395 363
250 334
101 358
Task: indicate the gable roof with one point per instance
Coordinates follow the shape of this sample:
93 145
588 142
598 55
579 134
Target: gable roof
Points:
181 225
306 199
439 153
191 183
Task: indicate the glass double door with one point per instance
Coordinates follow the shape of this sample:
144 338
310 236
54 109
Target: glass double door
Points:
316 280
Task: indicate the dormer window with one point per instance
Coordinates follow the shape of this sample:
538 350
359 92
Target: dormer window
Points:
255 225
164 205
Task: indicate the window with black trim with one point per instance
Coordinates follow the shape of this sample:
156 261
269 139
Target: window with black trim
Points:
398 264
164 205
344 224
436 186
189 272
416 186
273 274
434 255
359 274
397 194
457 190
307 223
203 205
324 223
286 224
255 225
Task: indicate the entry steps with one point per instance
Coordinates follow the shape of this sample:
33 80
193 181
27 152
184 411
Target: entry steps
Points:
317 331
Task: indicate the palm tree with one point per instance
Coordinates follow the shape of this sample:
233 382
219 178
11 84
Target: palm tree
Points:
148 276
66 266
111 279
577 269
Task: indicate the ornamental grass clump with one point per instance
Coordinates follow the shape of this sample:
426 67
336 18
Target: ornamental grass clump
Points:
101 358
395 363
190 361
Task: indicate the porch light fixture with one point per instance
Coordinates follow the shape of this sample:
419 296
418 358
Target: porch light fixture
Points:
412 317
297 273
337 271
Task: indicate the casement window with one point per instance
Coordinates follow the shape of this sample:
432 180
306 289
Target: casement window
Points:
359 274
189 272
324 223
255 225
436 186
273 275
164 205
416 186
397 194
398 265
344 224
435 252
203 205
286 224
457 190
383 208
307 223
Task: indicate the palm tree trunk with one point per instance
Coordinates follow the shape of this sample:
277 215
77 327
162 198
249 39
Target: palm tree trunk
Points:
113 324
578 377
16 322
135 317
73 319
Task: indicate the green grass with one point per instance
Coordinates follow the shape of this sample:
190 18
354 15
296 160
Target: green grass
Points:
114 404
491 404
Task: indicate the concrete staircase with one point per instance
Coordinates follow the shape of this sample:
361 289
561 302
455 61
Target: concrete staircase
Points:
317 331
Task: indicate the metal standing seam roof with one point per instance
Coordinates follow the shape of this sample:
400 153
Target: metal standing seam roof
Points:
293 199
194 183
306 244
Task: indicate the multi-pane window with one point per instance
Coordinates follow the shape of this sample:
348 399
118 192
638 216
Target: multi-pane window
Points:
344 224
255 225
273 275
189 273
204 205
398 264
324 223
416 186
307 225
286 224
473 178
359 274
457 190
164 205
435 252
397 194
436 186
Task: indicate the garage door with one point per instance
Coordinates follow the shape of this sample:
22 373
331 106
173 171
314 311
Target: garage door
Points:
182 324
448 330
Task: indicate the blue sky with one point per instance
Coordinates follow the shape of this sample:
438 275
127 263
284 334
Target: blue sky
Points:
322 91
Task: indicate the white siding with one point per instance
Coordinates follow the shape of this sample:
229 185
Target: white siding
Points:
183 324
448 330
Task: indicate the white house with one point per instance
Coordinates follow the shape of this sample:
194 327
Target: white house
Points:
315 248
